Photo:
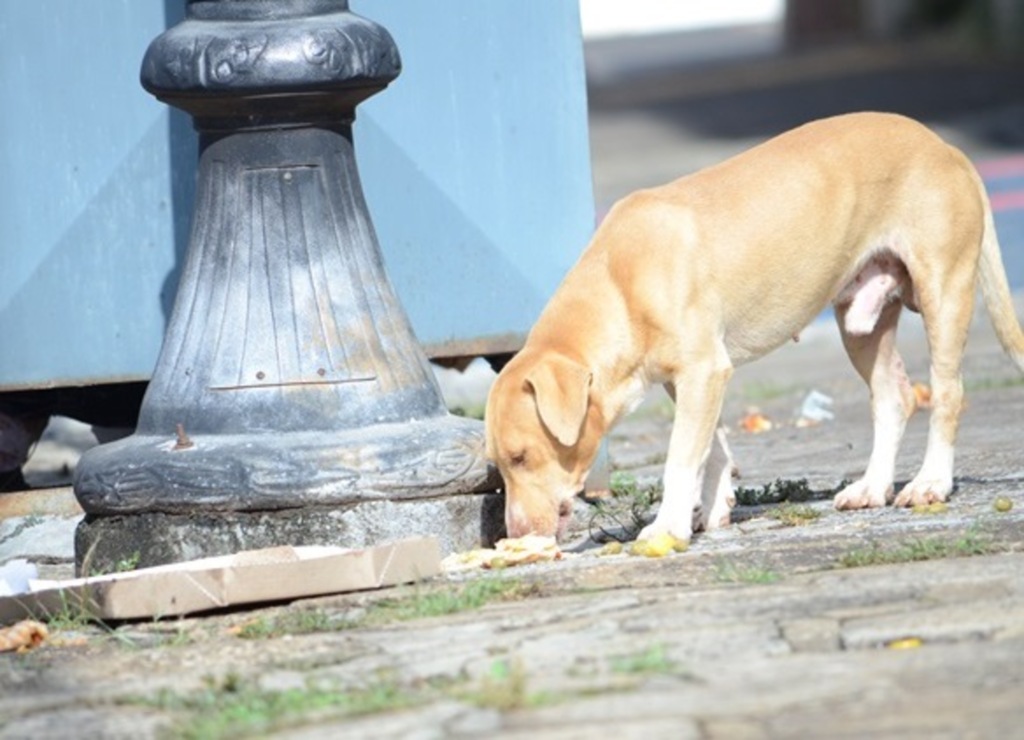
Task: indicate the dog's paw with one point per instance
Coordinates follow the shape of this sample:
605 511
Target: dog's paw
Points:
859 495
717 518
924 492
656 528
699 519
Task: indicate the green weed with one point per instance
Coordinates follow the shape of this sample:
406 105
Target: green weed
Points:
419 604
504 688
970 543
793 515
627 509
727 571
647 662
775 492
294 622
234 707
760 391
127 564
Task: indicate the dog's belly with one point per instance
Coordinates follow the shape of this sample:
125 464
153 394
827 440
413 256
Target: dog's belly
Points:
881 280
770 323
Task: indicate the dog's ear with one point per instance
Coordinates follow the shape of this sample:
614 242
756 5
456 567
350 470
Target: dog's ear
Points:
562 390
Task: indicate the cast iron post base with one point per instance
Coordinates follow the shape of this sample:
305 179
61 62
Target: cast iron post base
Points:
289 378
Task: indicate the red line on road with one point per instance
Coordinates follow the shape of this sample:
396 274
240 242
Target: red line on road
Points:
1012 200
1002 167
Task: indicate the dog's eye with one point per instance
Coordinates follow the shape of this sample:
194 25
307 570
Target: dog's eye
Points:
518 460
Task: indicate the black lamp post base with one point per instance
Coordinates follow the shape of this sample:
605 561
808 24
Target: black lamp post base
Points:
105 544
160 499
289 369
434 457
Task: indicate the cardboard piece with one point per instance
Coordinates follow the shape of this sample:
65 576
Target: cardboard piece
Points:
250 577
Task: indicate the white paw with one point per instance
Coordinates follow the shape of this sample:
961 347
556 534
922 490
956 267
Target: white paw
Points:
860 495
718 518
924 492
655 528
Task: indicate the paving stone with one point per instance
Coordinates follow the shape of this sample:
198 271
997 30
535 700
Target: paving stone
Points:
811 635
950 623
38 538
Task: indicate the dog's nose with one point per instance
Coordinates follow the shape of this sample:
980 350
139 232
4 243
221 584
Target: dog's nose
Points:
520 526
516 525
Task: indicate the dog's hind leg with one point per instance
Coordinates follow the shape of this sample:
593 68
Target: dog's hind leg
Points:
876 359
947 322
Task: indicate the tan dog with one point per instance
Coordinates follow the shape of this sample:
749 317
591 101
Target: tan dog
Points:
869 212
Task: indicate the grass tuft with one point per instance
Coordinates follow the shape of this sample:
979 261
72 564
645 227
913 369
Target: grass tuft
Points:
793 515
761 391
652 661
727 571
775 492
970 543
504 688
622 515
234 707
420 604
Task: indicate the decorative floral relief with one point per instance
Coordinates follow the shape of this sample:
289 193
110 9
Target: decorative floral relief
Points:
350 49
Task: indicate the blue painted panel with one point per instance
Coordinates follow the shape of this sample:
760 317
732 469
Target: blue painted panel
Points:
475 165
86 220
476 160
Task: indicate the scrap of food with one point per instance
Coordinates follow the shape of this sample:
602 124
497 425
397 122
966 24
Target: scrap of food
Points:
755 422
23 636
505 554
658 546
922 395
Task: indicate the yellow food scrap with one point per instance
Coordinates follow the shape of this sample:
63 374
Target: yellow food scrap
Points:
24 635
658 546
755 422
938 507
506 553
1002 504
906 643
610 548
923 395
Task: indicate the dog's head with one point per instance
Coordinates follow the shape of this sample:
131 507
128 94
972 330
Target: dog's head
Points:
543 433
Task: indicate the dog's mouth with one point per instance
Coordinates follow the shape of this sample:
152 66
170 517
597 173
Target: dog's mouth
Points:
565 516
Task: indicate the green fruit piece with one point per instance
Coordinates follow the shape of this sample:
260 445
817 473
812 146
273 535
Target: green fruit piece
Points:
610 548
1002 504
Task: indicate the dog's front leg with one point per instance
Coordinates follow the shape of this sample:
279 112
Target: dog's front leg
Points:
717 496
699 390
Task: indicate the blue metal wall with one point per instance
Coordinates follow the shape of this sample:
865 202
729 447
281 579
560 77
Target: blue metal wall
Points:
475 164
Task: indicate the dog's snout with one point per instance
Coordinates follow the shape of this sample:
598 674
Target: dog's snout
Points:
539 519
565 509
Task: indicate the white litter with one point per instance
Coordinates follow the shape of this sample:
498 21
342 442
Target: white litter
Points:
15 576
817 407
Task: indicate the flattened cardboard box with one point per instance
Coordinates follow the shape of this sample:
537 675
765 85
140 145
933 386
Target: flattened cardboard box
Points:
250 577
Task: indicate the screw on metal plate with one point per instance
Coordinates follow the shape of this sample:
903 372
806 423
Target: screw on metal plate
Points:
183 442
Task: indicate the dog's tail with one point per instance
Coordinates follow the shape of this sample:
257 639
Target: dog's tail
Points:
996 289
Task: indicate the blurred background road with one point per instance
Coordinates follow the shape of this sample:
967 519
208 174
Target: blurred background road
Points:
672 92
